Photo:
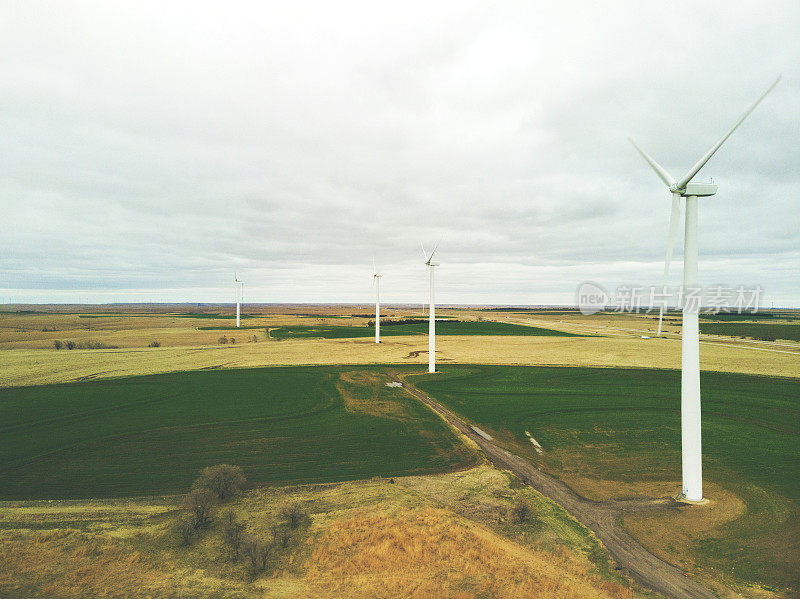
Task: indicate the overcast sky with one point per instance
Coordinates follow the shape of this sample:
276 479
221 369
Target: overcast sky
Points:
150 149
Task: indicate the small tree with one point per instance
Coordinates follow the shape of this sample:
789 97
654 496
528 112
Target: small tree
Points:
280 536
199 503
154 344
257 553
223 480
70 345
185 530
233 339
232 532
58 344
223 340
293 514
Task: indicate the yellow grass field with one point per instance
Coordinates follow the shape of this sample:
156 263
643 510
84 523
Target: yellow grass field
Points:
410 537
43 366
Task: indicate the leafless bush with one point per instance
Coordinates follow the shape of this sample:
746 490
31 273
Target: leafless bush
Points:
223 340
91 344
70 344
280 535
199 502
185 531
294 514
257 554
232 532
58 344
521 511
233 339
154 344
223 480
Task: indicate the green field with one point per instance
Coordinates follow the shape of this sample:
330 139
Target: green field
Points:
753 329
442 328
152 434
624 424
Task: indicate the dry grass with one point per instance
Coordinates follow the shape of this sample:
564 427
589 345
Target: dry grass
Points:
419 536
430 553
68 563
28 358
351 386
31 367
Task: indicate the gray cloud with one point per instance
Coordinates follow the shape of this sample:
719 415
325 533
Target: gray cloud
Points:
151 150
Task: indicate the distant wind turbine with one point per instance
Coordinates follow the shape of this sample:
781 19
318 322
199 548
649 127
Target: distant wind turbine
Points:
240 297
376 280
690 333
431 310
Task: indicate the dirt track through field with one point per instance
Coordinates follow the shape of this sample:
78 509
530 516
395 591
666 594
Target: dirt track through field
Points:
602 518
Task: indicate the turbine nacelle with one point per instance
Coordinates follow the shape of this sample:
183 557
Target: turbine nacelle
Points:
701 190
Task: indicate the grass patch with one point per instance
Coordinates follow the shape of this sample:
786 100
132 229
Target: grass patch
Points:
442 328
263 328
755 330
152 434
624 425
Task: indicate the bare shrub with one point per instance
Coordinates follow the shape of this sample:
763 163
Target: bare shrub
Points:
294 514
255 338
70 344
223 340
58 344
280 535
257 554
233 339
185 531
154 344
91 344
232 532
223 480
199 502
521 511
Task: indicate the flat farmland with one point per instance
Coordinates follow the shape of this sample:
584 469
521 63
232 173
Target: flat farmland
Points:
152 434
756 330
485 328
615 433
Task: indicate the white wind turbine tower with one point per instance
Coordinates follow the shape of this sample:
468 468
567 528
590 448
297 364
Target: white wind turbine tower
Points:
376 280
691 455
431 310
240 297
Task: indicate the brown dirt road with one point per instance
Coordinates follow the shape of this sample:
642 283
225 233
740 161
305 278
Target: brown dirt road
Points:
602 518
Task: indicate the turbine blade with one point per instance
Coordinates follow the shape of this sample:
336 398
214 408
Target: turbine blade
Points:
674 222
660 170
424 254
436 247
696 168
374 269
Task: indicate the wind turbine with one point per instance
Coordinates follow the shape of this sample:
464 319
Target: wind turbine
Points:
431 310
691 456
239 299
376 280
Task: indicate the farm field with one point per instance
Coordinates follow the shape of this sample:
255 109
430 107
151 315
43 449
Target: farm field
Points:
615 433
442 328
150 435
757 330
